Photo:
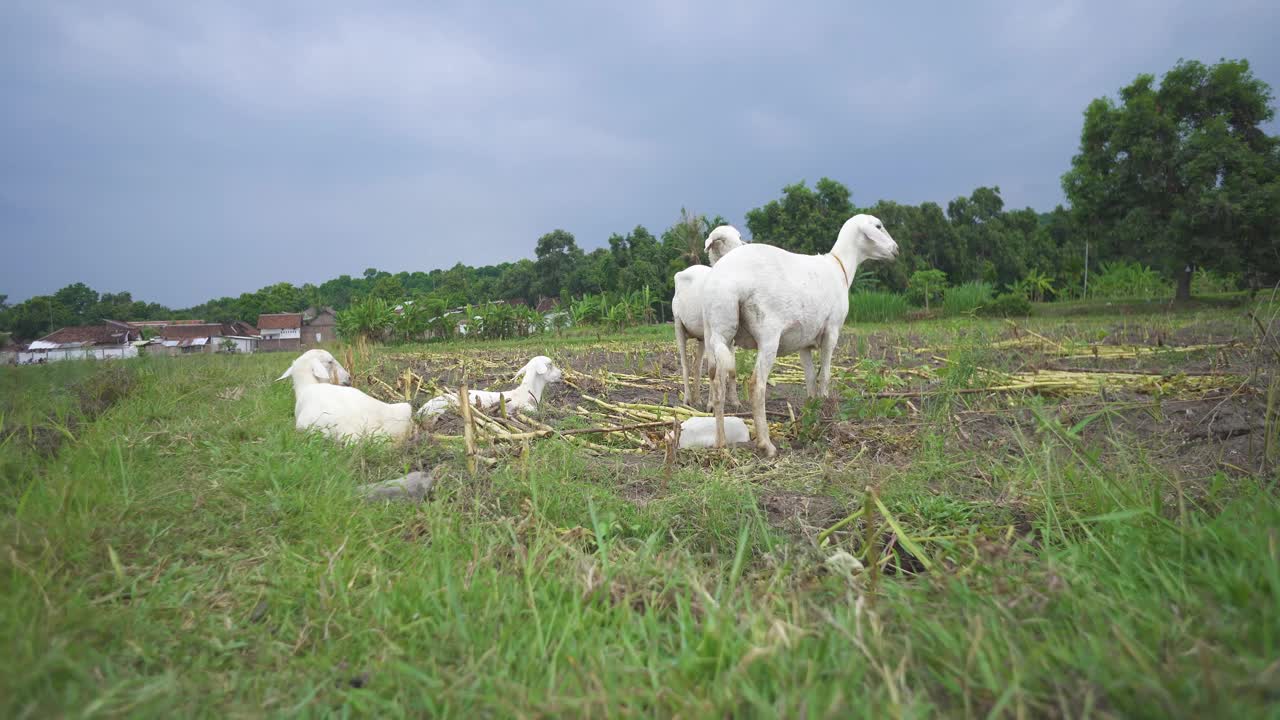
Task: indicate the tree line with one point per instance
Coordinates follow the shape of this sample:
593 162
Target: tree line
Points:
1172 176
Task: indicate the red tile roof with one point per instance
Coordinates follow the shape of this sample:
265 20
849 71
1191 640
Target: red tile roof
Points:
109 333
182 332
279 321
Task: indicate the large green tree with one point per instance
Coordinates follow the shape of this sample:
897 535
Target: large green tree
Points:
804 220
1182 174
558 254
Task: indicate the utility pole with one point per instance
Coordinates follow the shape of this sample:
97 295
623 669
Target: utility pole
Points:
1086 269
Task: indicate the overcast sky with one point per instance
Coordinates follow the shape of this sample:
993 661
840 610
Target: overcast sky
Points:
184 151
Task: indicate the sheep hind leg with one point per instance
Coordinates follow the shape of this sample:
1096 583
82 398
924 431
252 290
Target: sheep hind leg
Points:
732 381
722 367
681 343
699 371
765 357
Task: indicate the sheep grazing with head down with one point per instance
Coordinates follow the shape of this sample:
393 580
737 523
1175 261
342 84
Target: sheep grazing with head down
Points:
325 401
780 302
686 308
534 378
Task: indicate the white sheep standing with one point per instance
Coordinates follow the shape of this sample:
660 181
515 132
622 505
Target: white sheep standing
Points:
686 308
534 378
720 241
781 302
325 402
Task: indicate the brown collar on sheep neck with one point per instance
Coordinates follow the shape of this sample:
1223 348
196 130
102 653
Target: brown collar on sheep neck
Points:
843 274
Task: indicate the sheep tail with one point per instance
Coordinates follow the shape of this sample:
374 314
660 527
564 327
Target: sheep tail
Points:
724 360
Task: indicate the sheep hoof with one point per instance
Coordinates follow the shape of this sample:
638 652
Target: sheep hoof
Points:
769 450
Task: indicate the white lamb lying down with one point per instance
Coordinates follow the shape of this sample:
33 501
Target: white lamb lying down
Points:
324 402
700 432
537 374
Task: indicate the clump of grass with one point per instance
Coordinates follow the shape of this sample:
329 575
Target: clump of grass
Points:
877 306
967 298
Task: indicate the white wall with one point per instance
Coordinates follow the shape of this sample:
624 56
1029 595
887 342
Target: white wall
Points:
108 352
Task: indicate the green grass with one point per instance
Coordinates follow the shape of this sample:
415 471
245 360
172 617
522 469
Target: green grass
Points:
877 306
182 551
966 298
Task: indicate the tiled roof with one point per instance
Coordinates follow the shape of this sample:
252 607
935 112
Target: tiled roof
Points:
109 333
279 321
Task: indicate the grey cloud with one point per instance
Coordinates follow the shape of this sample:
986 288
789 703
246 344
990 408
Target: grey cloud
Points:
188 151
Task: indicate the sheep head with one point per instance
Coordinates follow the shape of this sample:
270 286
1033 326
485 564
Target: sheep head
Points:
721 240
317 366
866 238
539 368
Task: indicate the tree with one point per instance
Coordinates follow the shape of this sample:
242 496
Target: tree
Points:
558 254
804 220
1182 174
388 288
79 299
37 317
519 282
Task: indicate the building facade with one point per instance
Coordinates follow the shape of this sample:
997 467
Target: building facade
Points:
280 331
109 340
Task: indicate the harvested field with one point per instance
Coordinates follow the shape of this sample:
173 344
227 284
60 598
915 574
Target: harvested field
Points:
1061 517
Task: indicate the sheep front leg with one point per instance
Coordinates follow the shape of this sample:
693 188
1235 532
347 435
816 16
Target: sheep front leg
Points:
765 356
828 348
806 359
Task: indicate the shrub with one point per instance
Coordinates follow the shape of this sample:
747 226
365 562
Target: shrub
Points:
1036 285
1122 279
926 286
1209 282
966 298
876 306
1010 304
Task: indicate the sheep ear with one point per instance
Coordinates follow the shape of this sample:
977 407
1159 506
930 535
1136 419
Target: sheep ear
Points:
320 371
521 372
286 374
544 367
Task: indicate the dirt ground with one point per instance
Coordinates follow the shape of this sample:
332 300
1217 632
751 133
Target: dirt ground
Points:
1190 434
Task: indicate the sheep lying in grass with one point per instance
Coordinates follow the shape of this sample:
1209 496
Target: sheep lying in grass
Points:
780 302
537 374
700 432
686 308
325 402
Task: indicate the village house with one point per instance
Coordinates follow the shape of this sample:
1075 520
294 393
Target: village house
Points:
280 331
320 325
208 337
108 340
296 331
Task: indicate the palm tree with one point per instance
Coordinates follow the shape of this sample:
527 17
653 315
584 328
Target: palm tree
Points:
693 228
1037 284
367 320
